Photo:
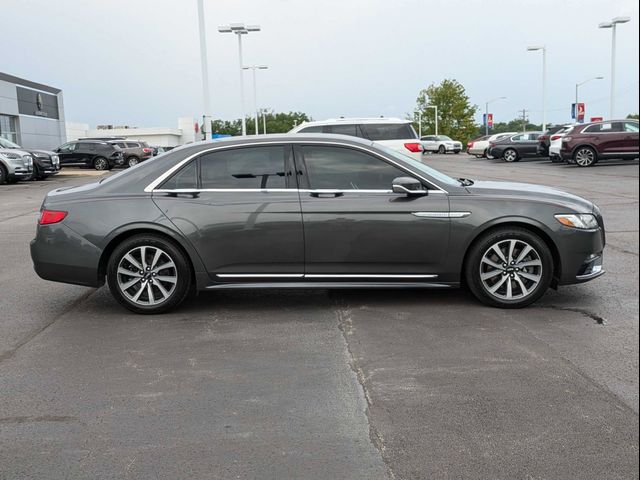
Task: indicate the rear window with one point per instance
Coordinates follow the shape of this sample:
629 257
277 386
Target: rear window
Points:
386 131
132 145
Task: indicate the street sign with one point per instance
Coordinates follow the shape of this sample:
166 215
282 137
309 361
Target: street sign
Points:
580 112
487 119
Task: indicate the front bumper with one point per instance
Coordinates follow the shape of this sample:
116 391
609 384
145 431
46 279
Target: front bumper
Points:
581 254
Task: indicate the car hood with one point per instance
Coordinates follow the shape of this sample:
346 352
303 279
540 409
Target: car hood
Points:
41 153
532 192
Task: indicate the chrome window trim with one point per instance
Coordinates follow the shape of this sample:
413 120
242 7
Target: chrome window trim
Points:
151 187
280 190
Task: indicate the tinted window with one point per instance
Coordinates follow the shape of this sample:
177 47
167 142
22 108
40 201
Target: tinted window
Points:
259 167
518 138
343 130
347 169
132 145
386 131
316 129
68 147
444 138
604 127
186 177
533 136
120 144
630 127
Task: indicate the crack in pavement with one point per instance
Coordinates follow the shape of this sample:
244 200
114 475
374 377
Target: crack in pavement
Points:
345 326
621 250
593 316
11 352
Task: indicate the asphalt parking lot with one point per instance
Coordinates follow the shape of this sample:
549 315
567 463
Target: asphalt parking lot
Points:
326 384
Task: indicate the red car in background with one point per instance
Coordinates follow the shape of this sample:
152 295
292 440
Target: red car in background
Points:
586 144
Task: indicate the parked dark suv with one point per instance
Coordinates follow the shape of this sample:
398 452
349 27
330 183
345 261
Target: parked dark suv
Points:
97 154
585 144
544 140
45 163
134 151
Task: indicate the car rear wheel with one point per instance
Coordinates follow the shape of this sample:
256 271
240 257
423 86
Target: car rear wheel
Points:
101 163
442 150
585 157
133 161
510 155
148 274
509 268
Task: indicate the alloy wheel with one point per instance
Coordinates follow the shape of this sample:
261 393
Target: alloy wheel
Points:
511 270
132 162
510 155
585 157
101 164
147 275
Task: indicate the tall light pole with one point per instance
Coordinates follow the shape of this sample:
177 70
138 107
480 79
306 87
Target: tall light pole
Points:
435 108
240 29
419 123
612 25
206 100
255 95
578 85
544 83
486 113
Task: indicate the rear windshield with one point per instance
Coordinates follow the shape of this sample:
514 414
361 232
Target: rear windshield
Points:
388 131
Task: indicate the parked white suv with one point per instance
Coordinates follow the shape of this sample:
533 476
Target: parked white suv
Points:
394 133
440 144
15 165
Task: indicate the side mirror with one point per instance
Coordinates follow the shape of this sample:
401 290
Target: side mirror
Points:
57 150
408 186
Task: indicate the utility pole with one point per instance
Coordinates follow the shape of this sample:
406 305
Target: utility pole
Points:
524 119
206 99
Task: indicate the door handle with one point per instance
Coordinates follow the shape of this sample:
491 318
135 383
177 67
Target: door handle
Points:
190 192
326 193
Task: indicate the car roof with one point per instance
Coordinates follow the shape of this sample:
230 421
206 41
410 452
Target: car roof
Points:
365 120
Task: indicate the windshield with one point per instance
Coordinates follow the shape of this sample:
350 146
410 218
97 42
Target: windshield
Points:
444 138
4 143
419 166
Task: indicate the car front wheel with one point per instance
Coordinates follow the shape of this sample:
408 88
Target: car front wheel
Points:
101 163
509 268
442 150
148 274
133 161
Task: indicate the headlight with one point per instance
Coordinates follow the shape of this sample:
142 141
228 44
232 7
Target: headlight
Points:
582 221
55 159
28 160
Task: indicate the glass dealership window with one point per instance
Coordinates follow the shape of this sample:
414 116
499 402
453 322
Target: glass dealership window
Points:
8 128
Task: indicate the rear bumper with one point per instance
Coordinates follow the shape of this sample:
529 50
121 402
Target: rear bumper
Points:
61 255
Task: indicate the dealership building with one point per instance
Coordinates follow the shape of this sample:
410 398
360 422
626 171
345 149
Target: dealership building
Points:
31 114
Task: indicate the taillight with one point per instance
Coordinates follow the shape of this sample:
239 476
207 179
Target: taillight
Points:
542 138
555 137
47 217
469 145
413 147
147 150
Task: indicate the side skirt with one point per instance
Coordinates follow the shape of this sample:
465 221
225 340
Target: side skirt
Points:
328 285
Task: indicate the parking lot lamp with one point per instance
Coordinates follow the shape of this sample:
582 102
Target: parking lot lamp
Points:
206 100
255 95
435 108
612 25
544 83
578 85
419 123
486 113
240 29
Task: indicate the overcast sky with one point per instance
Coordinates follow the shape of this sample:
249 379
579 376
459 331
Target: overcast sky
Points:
136 62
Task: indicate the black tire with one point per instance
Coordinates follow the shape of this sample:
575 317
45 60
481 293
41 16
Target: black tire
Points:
485 154
101 164
585 157
3 174
457 152
442 150
132 161
475 264
510 155
181 269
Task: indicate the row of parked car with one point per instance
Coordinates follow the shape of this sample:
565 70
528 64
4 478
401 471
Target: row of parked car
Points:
18 163
581 144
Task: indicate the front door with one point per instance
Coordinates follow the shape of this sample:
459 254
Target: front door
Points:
355 227
240 209
67 153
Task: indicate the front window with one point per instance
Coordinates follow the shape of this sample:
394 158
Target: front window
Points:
250 168
444 138
631 127
388 131
419 166
518 138
68 147
347 169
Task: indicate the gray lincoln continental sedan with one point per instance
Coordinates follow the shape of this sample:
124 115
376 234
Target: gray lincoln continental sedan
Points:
311 211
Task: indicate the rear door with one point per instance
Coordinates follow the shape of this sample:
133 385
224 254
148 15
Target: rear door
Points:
355 227
239 207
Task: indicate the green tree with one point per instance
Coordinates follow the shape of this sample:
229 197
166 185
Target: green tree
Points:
280 122
633 116
455 113
515 125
